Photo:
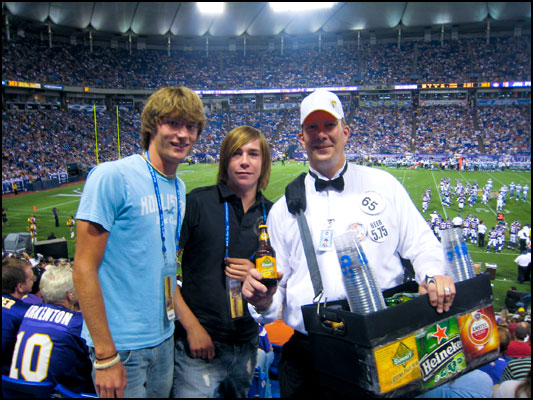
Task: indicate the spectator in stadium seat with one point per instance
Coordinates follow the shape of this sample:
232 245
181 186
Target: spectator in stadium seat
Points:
515 388
520 346
516 369
212 338
495 368
334 191
17 281
51 331
35 296
129 220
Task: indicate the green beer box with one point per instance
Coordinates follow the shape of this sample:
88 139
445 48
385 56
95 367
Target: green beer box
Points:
440 352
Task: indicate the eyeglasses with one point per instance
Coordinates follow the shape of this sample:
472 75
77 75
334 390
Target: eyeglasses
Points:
192 127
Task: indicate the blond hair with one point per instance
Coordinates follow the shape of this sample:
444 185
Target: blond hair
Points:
233 141
171 102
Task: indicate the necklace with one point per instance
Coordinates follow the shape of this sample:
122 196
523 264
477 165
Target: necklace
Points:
157 170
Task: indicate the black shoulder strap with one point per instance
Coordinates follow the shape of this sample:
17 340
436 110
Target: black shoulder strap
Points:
296 203
295 194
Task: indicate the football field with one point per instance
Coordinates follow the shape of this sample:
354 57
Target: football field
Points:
416 181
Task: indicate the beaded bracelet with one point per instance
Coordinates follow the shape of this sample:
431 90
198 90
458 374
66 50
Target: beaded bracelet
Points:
108 364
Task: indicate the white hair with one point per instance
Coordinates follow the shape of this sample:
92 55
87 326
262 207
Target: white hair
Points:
56 281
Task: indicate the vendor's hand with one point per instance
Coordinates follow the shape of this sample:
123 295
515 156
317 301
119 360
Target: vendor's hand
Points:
238 268
440 290
255 292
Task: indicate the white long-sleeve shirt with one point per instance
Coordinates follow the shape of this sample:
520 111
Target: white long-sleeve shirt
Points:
385 215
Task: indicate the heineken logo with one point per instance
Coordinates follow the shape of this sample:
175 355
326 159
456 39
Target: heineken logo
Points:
438 358
440 335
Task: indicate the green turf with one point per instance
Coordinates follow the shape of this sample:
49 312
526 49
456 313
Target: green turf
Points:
66 200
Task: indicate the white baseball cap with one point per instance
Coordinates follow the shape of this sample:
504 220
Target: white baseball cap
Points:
321 100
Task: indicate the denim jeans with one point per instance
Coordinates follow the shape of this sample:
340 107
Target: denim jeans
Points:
149 371
265 360
229 374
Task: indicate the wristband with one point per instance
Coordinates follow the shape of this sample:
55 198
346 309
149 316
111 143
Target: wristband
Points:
108 364
105 358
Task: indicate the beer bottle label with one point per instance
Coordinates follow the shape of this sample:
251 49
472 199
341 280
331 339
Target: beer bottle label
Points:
440 352
479 332
397 363
263 236
267 266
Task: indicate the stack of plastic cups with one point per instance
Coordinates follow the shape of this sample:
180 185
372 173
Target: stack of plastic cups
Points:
458 261
362 290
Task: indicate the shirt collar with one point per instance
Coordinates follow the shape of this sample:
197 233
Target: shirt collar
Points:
227 194
325 177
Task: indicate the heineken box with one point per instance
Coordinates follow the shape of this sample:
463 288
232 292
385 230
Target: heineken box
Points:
406 349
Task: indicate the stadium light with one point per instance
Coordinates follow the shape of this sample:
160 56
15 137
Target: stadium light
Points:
301 6
211 7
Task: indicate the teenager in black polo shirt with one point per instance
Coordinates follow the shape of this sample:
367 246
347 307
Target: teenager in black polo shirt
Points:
216 338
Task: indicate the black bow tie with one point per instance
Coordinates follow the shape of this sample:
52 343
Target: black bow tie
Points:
337 183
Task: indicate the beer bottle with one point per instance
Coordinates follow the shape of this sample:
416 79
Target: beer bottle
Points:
265 259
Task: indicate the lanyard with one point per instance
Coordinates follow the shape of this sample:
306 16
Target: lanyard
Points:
226 221
160 208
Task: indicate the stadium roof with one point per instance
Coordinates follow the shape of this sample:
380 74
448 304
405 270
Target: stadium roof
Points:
253 19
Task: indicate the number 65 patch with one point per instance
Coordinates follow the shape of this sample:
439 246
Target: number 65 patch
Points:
371 203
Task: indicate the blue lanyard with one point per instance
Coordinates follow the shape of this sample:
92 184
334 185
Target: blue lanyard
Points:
226 220
160 208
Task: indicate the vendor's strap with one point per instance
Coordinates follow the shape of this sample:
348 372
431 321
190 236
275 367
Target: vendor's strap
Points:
296 203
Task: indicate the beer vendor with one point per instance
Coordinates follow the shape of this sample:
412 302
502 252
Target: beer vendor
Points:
339 197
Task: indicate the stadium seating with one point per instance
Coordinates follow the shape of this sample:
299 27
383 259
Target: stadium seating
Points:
63 392
18 388
258 384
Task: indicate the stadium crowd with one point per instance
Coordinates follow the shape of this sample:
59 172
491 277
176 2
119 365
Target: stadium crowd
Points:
437 129
463 60
34 145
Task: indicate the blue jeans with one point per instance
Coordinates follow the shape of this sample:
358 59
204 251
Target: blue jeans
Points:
229 374
265 360
149 371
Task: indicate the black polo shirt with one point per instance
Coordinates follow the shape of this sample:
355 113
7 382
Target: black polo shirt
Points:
203 242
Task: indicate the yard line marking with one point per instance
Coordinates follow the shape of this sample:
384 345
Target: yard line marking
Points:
438 191
495 254
60 204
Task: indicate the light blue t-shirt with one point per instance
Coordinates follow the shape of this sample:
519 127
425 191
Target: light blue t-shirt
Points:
120 196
